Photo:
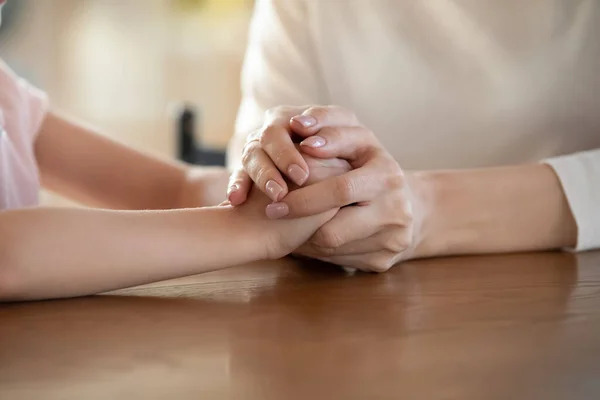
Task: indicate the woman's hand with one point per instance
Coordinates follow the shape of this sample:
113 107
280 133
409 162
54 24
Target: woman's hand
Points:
380 219
268 150
378 224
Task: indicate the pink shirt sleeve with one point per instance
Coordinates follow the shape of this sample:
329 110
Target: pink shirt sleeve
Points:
22 110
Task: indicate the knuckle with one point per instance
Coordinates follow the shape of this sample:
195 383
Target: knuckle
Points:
237 175
380 262
248 153
280 157
321 252
374 147
269 141
319 112
268 133
300 203
263 175
400 208
311 250
399 242
344 190
407 215
394 182
394 178
332 132
327 238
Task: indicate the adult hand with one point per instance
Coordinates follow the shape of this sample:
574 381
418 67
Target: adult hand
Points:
380 219
267 151
271 158
379 224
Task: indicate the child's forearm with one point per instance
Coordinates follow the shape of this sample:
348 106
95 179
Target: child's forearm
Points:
82 165
48 253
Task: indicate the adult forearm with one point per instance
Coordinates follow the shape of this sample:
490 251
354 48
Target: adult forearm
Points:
47 253
496 210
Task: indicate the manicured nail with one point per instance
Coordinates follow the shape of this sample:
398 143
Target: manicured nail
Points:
297 174
305 120
277 210
232 189
314 142
273 190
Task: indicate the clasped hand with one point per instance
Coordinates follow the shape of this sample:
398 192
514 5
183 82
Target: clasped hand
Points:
378 221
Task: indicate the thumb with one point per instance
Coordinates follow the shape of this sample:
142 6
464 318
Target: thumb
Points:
239 187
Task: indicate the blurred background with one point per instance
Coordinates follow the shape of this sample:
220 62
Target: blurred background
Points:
124 65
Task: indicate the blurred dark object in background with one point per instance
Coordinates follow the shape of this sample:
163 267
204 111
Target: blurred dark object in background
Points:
10 16
189 143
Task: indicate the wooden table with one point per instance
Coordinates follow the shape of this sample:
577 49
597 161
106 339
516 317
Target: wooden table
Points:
499 327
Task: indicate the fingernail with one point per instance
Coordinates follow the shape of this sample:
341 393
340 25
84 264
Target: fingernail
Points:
273 190
305 120
277 210
297 174
314 142
232 189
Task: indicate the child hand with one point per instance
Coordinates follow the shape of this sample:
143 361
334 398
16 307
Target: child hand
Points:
283 236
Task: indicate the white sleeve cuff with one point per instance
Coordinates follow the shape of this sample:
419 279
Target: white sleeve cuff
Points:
579 175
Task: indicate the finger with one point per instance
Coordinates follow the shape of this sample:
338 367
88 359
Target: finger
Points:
315 118
390 240
263 172
323 168
276 142
378 261
239 187
280 115
350 224
359 185
349 143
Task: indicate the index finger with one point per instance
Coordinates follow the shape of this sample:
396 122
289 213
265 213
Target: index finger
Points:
315 118
359 185
275 139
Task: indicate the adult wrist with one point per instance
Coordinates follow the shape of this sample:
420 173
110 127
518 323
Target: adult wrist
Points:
422 189
493 210
437 207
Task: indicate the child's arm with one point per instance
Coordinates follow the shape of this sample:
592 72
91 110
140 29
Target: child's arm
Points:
49 253
80 164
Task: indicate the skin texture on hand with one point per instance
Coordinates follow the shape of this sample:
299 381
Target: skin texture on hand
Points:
280 237
290 233
268 150
374 227
387 215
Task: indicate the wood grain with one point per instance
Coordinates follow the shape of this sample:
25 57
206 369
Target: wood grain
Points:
500 327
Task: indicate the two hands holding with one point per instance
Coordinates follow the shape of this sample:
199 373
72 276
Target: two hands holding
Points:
365 212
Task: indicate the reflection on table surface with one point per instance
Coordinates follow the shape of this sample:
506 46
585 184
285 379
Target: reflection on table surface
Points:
497 327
